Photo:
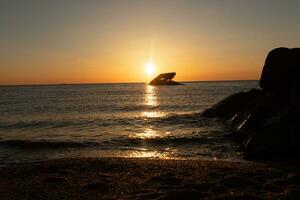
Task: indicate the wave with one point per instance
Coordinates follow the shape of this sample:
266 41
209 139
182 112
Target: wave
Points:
163 141
170 119
187 118
113 143
43 144
59 123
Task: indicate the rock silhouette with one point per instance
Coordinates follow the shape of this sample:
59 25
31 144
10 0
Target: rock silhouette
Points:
265 123
164 79
281 70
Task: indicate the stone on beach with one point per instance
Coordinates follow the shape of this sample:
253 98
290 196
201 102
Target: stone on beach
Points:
265 122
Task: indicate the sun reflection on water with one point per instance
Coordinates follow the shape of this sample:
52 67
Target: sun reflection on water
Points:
151 100
147 134
167 153
153 114
150 96
149 154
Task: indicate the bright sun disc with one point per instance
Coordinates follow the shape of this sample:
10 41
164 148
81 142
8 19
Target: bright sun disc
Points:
150 68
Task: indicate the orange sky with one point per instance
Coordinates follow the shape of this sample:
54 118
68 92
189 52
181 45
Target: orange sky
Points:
112 41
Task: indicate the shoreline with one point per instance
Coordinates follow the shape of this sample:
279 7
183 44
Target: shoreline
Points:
147 178
122 83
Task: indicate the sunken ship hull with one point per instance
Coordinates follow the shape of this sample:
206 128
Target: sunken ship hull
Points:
165 79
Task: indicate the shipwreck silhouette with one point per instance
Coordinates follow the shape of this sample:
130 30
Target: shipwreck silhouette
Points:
165 79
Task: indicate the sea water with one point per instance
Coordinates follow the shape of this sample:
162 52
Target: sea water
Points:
114 120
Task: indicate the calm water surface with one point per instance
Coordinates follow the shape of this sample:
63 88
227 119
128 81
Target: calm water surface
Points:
131 120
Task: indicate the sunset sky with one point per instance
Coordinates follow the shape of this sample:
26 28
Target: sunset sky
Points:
78 41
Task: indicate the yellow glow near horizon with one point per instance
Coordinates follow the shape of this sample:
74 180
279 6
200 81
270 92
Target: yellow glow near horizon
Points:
150 69
86 43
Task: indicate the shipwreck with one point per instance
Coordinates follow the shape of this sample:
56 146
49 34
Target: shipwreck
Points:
165 79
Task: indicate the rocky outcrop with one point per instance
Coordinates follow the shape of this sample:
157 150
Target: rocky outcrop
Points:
266 122
281 70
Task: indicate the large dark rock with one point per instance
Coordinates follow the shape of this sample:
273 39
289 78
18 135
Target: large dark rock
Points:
234 105
265 123
281 70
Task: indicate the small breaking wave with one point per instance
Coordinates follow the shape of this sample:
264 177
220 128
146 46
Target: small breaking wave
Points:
191 119
128 141
164 141
61 123
43 144
186 119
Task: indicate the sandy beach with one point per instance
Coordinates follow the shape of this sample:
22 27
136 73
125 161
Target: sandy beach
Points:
138 178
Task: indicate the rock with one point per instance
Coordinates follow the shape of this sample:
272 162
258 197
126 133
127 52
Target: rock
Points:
265 123
275 142
281 70
234 105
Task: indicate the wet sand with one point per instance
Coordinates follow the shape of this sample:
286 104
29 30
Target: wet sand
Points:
131 178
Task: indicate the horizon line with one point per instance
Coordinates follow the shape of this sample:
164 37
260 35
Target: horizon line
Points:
99 83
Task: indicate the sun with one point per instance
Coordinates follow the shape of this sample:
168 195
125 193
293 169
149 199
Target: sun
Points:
149 68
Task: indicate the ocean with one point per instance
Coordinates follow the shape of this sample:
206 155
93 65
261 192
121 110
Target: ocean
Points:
114 120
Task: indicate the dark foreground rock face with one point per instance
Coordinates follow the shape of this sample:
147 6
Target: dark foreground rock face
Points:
281 71
266 122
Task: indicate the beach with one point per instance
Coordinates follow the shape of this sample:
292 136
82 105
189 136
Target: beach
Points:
149 99
144 178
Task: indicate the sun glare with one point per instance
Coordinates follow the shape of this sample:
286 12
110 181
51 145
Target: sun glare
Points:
150 69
